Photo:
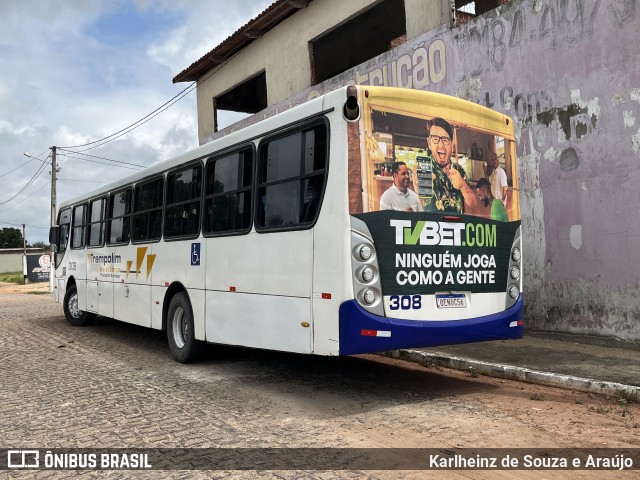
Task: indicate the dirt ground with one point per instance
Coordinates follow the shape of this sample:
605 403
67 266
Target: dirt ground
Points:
40 288
541 416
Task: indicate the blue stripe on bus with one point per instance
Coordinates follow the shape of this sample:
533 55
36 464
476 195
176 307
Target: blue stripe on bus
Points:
358 327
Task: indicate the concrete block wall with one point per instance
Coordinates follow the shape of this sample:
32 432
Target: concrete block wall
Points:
11 263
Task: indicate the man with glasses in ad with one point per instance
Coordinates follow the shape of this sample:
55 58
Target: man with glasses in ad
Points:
451 192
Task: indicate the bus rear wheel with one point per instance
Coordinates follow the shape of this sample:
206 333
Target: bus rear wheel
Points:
180 330
72 313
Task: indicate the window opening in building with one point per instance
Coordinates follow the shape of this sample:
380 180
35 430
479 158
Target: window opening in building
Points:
248 97
467 10
371 33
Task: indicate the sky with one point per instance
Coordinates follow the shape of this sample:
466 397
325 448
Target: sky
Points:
76 71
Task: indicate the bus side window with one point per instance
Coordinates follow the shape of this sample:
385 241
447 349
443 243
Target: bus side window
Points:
291 178
64 238
147 211
182 212
95 234
228 196
64 220
119 216
79 226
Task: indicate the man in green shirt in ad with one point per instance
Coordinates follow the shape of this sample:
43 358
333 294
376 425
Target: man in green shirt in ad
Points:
450 188
483 190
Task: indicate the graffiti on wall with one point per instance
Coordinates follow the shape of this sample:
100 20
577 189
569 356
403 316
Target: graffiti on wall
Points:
565 71
419 69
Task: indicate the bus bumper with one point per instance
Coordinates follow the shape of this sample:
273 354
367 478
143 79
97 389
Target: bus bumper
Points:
363 332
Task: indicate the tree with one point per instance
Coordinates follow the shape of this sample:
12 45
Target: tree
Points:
44 246
10 238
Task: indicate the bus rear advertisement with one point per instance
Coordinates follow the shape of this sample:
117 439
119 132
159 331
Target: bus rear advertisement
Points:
368 219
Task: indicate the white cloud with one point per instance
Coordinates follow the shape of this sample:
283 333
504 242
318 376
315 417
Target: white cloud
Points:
206 27
78 70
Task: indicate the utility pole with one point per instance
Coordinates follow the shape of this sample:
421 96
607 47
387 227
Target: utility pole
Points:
53 185
24 256
54 168
54 171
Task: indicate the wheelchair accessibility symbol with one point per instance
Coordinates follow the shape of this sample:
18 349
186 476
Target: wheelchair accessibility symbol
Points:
195 254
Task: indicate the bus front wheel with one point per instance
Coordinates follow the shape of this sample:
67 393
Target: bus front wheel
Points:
180 330
72 313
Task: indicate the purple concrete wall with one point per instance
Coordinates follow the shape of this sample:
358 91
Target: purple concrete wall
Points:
567 72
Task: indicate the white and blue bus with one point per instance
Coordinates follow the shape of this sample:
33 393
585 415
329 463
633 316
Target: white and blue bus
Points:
276 236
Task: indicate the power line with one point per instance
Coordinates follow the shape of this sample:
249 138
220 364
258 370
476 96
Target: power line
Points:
104 163
19 166
26 163
20 224
75 180
101 158
138 123
145 119
31 180
25 198
133 126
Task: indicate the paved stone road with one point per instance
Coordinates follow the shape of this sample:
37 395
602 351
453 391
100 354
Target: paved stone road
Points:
114 385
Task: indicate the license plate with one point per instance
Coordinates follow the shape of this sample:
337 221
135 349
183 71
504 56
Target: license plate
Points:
451 300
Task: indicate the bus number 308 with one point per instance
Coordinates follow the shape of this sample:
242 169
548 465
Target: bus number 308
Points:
405 302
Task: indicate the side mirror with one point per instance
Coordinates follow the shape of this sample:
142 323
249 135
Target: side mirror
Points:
54 237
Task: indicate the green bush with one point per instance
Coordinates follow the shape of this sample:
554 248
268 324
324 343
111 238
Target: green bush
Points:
11 277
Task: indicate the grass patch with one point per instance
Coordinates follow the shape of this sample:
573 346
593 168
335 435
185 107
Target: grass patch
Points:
537 396
12 277
627 396
35 292
601 409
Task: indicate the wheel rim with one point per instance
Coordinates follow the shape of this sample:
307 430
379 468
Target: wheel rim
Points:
73 306
180 327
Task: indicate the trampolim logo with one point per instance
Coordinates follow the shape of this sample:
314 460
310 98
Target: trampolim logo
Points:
453 234
104 259
141 252
111 265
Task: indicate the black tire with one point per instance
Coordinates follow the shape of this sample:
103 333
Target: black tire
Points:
180 330
75 316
